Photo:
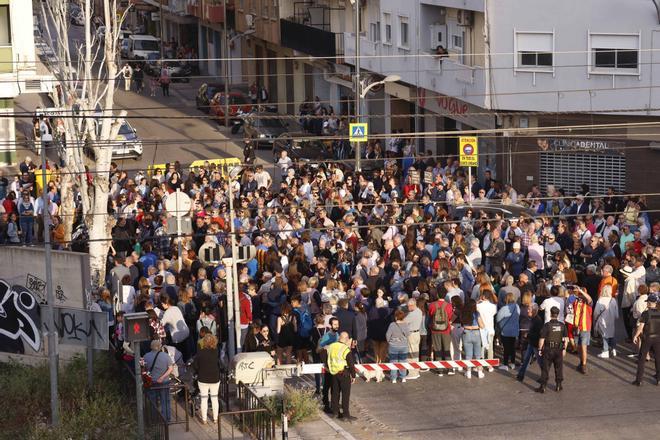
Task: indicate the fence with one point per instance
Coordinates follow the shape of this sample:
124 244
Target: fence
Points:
253 417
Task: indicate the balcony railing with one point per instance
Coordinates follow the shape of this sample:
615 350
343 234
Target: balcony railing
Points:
310 40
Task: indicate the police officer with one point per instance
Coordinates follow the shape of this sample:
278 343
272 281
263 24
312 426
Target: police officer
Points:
552 347
341 364
648 327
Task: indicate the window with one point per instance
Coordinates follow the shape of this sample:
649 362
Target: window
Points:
534 51
618 52
403 32
374 31
457 41
387 19
5 26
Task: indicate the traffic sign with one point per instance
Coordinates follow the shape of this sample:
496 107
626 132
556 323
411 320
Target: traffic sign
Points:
358 132
136 327
178 204
469 151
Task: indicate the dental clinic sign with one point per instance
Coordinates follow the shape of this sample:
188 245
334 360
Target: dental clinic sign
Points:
580 146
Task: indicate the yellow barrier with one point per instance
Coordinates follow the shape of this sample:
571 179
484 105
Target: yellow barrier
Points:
223 164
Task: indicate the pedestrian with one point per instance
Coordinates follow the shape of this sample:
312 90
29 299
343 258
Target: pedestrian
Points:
341 365
606 313
165 81
159 366
206 367
138 77
286 334
440 318
329 337
127 75
552 347
582 323
508 324
472 325
533 338
487 310
26 223
415 321
648 330
397 339
153 83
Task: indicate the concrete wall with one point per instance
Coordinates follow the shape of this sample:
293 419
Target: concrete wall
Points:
590 92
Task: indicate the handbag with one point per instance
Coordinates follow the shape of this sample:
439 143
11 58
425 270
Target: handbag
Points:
147 379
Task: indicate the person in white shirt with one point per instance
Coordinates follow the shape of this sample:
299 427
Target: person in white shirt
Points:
474 256
175 325
284 162
554 301
487 310
262 177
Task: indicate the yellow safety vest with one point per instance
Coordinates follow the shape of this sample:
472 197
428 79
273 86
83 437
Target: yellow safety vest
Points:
337 353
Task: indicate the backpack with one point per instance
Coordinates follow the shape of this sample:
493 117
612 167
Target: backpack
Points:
440 319
305 323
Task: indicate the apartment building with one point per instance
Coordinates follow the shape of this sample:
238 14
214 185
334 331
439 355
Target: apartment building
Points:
521 65
19 71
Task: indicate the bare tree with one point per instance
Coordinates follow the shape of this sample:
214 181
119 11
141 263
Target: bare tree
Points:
86 73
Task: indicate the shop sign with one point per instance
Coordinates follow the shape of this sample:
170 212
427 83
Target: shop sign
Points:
580 145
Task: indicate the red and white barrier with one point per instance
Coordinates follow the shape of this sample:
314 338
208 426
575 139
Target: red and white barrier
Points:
422 365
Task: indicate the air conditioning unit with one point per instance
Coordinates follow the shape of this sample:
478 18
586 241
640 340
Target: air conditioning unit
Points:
249 21
465 18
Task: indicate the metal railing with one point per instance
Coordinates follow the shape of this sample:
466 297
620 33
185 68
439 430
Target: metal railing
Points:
253 417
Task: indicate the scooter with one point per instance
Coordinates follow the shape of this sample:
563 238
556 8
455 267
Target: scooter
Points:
238 122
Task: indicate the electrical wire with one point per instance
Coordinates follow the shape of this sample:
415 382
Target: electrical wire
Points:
325 229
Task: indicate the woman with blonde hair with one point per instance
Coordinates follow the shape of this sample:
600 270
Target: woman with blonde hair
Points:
205 364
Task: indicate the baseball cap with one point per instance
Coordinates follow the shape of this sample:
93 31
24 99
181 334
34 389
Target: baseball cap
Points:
653 298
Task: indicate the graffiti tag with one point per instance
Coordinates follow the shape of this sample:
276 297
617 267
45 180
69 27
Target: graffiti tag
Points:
19 319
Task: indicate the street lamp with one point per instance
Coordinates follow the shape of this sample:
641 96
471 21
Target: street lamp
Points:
361 93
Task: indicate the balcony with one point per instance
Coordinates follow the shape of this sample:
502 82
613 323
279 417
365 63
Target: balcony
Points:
310 40
178 7
446 76
214 13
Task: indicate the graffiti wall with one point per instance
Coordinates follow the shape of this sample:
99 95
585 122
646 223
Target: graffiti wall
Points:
23 293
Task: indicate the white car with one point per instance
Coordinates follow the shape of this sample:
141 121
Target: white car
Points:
127 144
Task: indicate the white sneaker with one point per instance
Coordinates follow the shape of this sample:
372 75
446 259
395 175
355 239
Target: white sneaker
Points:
460 369
491 369
503 368
613 352
440 374
480 374
393 380
403 380
468 374
512 366
451 372
604 355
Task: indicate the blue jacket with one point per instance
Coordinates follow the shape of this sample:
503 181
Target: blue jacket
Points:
508 320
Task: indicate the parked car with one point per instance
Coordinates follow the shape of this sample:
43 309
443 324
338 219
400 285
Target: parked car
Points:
76 17
207 91
142 47
237 100
493 207
128 144
179 71
265 128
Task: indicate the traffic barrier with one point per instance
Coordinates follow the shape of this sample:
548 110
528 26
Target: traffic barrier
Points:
421 365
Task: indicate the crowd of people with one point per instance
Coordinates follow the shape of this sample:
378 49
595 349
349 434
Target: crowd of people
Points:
385 262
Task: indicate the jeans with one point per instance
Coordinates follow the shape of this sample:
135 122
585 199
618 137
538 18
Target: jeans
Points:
456 335
207 390
609 344
490 337
161 392
27 226
527 358
398 354
472 344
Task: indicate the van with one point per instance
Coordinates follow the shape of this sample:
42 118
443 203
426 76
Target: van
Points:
141 46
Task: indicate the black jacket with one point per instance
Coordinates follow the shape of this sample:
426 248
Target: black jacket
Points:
347 322
206 365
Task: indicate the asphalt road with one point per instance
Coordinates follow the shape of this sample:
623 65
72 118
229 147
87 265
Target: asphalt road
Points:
602 405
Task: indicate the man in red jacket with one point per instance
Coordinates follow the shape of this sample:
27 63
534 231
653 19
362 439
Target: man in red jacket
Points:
246 314
440 314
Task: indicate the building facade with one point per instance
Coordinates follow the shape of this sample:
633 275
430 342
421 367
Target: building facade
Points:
19 70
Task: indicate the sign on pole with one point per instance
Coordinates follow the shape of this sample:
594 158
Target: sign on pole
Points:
469 151
358 132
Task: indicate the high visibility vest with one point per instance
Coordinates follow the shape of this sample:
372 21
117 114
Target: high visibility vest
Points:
337 353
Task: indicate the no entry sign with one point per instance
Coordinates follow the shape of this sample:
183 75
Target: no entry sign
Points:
469 151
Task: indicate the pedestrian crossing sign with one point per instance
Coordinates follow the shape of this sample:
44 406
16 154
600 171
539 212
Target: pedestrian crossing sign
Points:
358 132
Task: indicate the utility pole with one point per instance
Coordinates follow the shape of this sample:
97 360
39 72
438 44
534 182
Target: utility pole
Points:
50 310
225 55
139 397
160 21
358 84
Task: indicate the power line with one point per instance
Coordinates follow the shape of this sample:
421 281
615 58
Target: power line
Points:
325 229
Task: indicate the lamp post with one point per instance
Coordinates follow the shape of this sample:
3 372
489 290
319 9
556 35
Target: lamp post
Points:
225 56
358 84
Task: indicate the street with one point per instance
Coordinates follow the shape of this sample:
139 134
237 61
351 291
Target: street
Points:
601 405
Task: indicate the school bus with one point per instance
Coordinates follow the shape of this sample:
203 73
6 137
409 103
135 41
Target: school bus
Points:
225 165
